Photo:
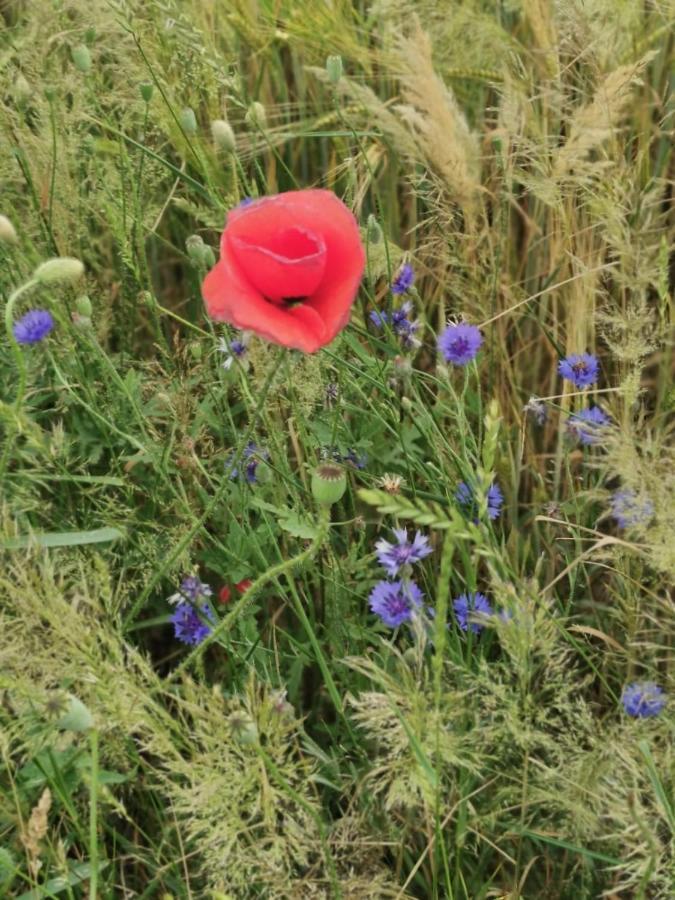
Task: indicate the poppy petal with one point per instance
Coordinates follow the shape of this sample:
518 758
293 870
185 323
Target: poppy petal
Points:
231 298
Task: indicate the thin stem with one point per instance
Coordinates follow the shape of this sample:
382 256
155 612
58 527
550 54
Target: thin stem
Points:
93 815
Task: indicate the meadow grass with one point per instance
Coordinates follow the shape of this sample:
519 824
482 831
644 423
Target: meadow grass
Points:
518 155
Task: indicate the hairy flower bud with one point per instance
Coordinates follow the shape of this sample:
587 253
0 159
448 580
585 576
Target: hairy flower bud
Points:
374 231
329 483
21 90
61 268
334 68
83 306
188 121
256 114
7 232
81 58
223 136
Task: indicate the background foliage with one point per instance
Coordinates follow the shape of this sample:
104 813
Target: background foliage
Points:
519 154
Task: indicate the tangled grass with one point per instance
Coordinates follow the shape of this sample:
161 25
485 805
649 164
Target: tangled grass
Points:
519 156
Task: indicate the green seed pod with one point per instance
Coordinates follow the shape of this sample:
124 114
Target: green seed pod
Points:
61 268
188 121
374 232
146 90
81 58
223 136
50 94
7 231
90 35
329 483
83 306
256 115
334 69
77 717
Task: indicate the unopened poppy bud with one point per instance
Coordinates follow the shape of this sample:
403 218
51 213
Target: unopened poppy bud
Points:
407 404
81 58
61 268
329 483
146 90
374 231
77 716
334 69
188 121
22 90
224 594
256 114
83 305
244 729
195 247
7 231
243 585
223 136
208 256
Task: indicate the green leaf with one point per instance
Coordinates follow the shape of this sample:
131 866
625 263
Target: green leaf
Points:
298 527
62 538
75 875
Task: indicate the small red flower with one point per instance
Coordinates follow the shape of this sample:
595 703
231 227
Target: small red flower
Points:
224 594
244 585
289 269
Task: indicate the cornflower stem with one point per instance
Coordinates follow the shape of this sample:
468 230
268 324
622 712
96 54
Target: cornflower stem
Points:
12 426
226 624
93 815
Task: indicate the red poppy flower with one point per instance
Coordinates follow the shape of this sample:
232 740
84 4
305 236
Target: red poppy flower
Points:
289 269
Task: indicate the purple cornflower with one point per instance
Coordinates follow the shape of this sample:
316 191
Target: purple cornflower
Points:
252 457
404 553
581 369
588 425
33 326
189 625
464 495
628 508
192 589
245 201
395 601
399 322
403 279
460 343
643 699
234 349
537 408
470 609
358 460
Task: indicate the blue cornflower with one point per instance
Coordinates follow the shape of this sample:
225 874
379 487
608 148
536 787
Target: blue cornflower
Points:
628 508
395 601
470 609
245 201
460 343
581 369
403 279
399 322
234 349
189 625
252 457
404 553
465 496
192 589
643 699
33 327
588 425
358 460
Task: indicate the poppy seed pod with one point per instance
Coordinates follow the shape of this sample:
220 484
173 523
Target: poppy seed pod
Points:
61 268
329 483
